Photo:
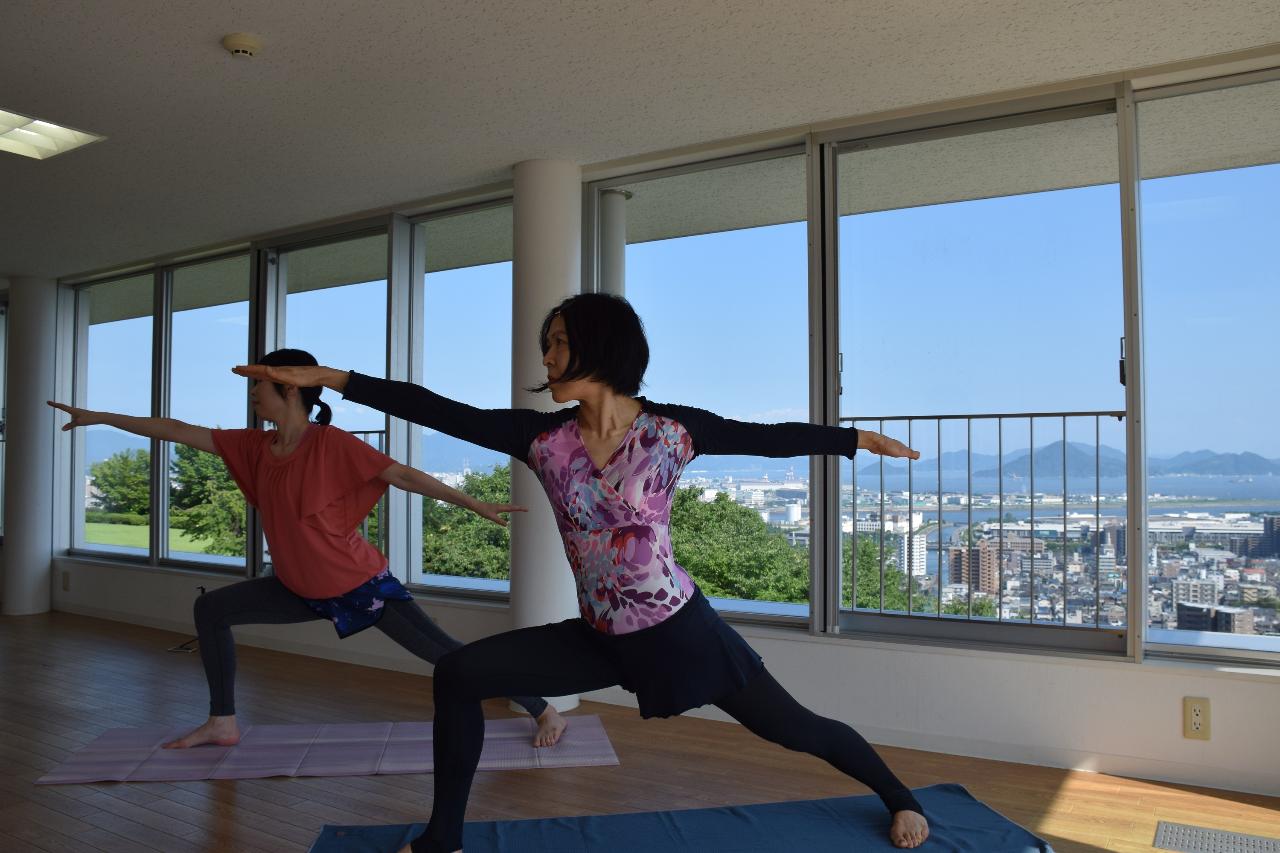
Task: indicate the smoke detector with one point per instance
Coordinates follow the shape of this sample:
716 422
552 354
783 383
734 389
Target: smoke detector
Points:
242 44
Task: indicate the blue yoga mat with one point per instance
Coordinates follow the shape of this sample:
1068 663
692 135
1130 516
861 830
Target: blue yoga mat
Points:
957 822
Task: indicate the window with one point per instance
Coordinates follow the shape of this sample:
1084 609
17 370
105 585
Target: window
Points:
980 313
210 333
466 355
716 264
336 309
1210 164
115 467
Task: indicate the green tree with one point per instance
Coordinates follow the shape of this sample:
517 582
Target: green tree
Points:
123 481
205 502
981 607
195 477
731 553
458 542
219 523
869 583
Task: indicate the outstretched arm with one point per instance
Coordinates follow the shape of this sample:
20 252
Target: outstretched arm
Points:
301 377
715 435
165 429
504 430
413 480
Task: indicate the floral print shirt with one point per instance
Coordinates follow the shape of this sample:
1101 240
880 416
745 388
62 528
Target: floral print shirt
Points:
614 520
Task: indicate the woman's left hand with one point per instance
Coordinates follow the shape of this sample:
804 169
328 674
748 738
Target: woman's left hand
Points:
885 446
491 511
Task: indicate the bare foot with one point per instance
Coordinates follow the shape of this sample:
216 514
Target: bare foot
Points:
550 726
909 829
409 849
219 731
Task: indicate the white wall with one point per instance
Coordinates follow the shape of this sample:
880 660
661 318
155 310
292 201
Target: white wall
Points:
1091 715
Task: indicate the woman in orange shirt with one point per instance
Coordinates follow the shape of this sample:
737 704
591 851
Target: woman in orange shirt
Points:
313 485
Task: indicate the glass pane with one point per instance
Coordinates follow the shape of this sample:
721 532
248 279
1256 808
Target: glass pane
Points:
210 333
717 267
117 472
336 309
466 310
1211 296
980 275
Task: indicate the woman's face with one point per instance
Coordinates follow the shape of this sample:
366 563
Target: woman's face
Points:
556 361
268 403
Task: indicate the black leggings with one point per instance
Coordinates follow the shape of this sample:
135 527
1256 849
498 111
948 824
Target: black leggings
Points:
554 661
266 601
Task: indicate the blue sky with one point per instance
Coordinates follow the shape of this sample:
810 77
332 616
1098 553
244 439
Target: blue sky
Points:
1008 304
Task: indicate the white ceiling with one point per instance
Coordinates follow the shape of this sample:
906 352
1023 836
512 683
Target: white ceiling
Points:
358 106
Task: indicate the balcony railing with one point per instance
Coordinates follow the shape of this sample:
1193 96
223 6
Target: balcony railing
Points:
1038 589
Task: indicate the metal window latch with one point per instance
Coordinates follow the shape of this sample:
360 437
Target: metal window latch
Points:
1122 374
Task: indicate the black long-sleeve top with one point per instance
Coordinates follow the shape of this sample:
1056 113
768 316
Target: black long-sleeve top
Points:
512 431
614 518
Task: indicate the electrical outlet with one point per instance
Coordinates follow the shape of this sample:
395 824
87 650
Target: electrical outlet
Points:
1195 717
66 581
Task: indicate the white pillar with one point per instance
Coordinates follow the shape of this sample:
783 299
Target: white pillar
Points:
29 446
546 269
613 242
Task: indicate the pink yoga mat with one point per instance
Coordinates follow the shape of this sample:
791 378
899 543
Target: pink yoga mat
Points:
342 749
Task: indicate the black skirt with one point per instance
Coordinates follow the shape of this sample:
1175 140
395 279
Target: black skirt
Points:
691 659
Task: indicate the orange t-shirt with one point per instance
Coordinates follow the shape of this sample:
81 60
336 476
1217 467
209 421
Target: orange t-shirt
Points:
311 503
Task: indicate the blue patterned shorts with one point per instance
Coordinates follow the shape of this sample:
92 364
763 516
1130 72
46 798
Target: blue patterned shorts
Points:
361 608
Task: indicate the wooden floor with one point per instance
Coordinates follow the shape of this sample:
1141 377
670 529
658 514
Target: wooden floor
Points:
64 679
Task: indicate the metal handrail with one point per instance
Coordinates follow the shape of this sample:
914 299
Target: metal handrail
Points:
1118 415
971 572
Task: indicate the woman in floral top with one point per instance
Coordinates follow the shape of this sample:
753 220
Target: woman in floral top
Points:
610 466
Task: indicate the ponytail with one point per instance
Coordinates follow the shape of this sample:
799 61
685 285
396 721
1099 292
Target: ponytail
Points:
325 414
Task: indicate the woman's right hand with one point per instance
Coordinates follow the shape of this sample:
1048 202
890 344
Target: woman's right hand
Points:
301 377
79 417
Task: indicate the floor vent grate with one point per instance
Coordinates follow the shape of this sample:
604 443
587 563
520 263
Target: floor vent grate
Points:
1198 839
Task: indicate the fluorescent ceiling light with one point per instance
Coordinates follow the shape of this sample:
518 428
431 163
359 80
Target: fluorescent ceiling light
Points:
32 137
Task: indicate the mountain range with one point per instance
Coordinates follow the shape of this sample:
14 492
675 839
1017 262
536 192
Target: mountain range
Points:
1081 462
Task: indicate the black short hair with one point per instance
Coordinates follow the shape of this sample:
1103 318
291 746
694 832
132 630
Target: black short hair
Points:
606 341
311 395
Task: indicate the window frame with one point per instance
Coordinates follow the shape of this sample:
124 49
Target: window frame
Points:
1089 641
157 555
1154 646
412 350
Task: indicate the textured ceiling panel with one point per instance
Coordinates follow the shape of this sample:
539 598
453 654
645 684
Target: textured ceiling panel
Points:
353 107
333 264
215 283
743 196
1225 129
469 239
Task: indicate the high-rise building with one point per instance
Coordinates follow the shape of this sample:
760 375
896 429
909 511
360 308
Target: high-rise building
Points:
977 567
1199 592
1041 562
913 553
1192 617
1226 620
1271 536
1233 620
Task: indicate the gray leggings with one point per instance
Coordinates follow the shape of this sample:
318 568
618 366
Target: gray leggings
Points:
266 601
